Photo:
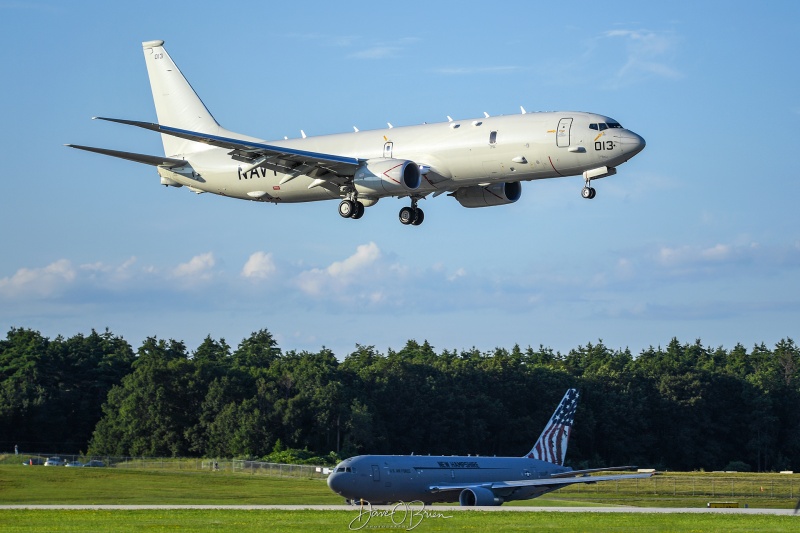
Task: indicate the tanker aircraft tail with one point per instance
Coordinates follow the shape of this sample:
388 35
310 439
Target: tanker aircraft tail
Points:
552 443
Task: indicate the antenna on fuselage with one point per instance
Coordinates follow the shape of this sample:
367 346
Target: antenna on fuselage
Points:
523 110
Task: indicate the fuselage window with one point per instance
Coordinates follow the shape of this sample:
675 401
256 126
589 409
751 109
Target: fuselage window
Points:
493 137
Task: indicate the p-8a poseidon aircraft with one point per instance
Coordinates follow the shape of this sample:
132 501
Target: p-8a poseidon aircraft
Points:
471 480
479 162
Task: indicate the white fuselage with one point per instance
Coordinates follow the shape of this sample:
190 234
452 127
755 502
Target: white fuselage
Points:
459 153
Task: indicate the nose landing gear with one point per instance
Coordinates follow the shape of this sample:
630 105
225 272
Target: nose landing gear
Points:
588 191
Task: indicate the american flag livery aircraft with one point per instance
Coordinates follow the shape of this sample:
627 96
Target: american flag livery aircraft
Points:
471 480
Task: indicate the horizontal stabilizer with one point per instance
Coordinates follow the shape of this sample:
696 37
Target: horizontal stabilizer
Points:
155 160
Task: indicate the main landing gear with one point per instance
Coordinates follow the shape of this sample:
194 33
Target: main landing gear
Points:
351 209
412 215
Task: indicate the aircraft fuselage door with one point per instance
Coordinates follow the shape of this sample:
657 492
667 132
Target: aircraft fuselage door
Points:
562 134
376 473
387 150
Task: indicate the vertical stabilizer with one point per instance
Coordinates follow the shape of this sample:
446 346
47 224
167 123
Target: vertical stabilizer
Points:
177 104
552 443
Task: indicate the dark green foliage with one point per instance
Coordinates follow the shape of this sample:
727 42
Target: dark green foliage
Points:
51 392
683 407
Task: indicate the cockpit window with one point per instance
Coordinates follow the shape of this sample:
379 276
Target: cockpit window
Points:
344 469
604 126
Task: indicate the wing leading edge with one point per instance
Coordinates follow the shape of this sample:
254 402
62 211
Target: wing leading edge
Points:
561 481
279 158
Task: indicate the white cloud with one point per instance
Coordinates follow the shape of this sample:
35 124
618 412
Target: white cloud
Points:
376 52
99 268
259 266
696 254
197 268
41 282
340 274
459 273
457 71
382 50
648 54
366 254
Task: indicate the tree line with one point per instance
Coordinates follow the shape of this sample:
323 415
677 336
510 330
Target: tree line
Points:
683 407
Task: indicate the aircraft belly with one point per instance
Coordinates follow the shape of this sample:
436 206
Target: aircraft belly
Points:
264 185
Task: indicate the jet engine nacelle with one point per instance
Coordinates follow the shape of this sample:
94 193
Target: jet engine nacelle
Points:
478 496
387 176
495 194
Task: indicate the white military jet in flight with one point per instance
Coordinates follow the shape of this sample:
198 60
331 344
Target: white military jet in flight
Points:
479 162
471 480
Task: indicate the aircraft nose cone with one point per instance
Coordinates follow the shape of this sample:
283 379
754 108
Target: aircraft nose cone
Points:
631 143
335 482
332 481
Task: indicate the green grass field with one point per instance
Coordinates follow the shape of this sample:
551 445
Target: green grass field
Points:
51 485
313 521
102 486
44 485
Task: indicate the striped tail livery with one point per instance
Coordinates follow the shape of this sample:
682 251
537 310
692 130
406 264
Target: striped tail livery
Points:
552 443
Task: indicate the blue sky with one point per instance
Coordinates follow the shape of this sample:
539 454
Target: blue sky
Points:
696 237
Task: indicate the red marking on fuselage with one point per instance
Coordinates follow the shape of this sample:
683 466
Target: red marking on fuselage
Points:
554 167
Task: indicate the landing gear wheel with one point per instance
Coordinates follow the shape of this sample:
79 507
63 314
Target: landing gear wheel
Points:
586 192
358 211
420 216
346 208
407 216
593 193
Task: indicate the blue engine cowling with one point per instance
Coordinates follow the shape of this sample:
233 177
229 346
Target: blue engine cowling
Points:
478 496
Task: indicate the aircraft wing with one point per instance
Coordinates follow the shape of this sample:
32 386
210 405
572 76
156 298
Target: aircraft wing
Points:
559 481
279 158
155 160
572 473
